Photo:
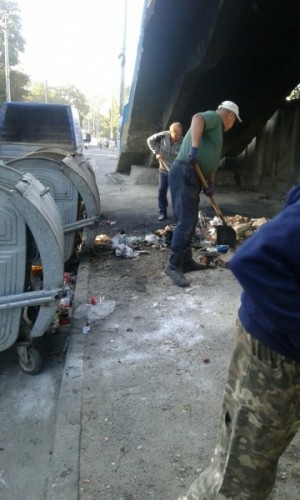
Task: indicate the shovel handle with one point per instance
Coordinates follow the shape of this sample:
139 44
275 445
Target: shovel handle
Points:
212 200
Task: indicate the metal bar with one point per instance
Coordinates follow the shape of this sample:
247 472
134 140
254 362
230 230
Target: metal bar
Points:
28 299
79 224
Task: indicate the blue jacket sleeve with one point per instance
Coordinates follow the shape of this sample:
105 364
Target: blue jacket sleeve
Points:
267 266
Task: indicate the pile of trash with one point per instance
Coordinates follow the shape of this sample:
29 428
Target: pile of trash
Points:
205 236
244 227
126 246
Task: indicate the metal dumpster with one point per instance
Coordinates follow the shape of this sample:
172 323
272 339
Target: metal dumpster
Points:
29 223
72 184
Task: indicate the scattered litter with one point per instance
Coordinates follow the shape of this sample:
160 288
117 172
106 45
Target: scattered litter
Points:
135 240
94 311
205 360
86 329
224 259
165 234
204 238
151 239
207 228
222 248
215 221
122 249
102 239
102 243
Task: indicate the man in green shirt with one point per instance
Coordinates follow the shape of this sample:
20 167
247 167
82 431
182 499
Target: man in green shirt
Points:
203 145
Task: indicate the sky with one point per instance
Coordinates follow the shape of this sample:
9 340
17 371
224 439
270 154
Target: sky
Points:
78 42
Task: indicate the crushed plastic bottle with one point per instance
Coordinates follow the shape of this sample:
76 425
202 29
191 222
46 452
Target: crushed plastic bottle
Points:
86 329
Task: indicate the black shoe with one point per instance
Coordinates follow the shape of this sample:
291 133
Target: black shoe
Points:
176 276
162 217
191 265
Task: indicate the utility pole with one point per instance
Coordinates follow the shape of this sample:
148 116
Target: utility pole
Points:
46 91
6 58
112 121
122 57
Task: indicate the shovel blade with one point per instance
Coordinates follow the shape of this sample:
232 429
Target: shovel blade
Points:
226 236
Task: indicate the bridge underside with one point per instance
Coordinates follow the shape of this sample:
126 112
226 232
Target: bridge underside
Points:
194 54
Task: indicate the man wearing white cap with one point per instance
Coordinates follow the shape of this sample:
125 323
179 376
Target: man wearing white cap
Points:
202 144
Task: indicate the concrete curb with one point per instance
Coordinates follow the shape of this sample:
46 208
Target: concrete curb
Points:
64 468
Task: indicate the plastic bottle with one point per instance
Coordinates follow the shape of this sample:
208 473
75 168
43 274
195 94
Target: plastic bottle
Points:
86 329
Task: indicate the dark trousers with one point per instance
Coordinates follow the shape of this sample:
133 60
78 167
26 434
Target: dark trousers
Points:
163 184
185 192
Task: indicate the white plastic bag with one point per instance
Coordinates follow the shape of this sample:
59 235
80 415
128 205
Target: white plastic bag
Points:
92 312
121 248
100 310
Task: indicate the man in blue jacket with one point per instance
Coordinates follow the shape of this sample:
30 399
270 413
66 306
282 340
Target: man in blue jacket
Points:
261 406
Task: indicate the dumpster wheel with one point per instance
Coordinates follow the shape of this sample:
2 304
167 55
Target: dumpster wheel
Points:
30 359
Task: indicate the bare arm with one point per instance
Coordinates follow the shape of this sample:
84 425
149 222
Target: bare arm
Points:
197 128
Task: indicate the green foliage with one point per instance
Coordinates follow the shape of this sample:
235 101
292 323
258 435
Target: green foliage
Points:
16 42
295 94
105 128
67 94
18 80
98 120
18 83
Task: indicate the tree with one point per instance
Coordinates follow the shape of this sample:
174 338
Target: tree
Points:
67 94
295 94
111 125
16 42
18 84
9 18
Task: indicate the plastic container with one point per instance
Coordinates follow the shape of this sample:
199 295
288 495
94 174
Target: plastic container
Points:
222 248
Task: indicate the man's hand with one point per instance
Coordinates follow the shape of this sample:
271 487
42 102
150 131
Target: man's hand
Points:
193 157
210 189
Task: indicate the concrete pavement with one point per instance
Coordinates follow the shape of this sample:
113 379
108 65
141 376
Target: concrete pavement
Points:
139 401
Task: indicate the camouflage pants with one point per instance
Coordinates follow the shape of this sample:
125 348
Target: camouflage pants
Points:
260 417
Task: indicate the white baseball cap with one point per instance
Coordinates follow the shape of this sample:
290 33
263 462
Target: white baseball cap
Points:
231 106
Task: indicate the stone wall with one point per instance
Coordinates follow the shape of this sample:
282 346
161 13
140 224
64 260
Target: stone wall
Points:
271 162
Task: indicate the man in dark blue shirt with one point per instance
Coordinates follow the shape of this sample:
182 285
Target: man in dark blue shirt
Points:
261 406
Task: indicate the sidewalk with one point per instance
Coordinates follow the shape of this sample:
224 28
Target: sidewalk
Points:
141 393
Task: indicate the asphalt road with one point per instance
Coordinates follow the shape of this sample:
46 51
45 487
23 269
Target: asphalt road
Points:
27 420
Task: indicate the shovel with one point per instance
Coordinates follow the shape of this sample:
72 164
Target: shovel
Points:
226 235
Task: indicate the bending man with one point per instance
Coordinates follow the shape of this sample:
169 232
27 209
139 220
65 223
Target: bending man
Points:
165 145
203 145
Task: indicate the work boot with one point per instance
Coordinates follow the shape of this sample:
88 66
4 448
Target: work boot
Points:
189 264
176 275
162 216
174 270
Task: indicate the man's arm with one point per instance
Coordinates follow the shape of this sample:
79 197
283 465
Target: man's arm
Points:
197 129
268 268
154 142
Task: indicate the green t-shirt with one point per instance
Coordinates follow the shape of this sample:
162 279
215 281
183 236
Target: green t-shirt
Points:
210 148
